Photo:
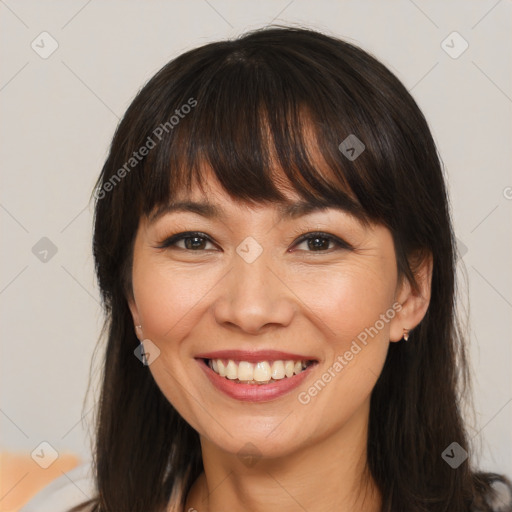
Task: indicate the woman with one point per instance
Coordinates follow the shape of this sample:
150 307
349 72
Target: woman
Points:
275 253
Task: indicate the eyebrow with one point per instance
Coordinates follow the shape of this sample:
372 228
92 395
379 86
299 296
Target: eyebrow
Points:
286 210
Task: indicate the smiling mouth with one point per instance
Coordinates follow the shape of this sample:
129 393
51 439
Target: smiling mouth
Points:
262 372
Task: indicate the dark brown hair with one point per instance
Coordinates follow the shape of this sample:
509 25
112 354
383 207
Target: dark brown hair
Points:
255 105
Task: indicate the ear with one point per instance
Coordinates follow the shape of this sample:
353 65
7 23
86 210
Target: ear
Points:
414 302
135 315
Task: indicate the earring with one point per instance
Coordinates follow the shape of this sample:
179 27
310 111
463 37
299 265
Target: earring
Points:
406 334
138 327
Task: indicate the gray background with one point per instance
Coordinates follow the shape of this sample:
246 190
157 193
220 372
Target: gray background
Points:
58 115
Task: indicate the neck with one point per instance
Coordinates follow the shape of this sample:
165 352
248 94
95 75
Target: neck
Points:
328 474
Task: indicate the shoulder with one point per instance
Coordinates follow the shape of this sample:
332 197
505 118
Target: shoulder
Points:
499 499
67 491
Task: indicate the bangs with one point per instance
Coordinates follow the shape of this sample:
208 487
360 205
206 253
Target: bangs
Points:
264 120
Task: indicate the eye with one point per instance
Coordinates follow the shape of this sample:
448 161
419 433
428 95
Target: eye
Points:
193 241
320 242
196 241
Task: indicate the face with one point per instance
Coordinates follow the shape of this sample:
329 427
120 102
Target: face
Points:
261 289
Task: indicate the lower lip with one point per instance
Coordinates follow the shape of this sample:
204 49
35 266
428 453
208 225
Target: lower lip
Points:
254 392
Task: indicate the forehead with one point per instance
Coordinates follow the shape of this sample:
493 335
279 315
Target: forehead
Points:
209 188
210 200
205 184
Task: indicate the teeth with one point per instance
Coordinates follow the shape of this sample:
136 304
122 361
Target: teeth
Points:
245 370
231 370
222 368
256 373
289 367
278 370
261 372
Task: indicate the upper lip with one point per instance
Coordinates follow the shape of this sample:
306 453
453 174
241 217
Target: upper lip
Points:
253 356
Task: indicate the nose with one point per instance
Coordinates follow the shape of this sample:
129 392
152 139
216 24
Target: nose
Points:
254 298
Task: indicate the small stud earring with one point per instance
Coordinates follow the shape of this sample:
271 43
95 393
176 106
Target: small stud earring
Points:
406 334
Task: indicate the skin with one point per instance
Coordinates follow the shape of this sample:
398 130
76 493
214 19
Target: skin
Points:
293 298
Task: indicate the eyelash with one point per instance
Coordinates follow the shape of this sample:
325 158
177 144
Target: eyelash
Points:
173 239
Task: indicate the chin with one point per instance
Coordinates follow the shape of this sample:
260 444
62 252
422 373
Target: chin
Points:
270 438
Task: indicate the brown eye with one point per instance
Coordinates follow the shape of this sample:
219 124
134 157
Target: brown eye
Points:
192 241
321 242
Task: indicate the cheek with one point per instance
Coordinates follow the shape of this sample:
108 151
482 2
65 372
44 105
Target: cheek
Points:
153 297
167 299
350 309
168 304
350 299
